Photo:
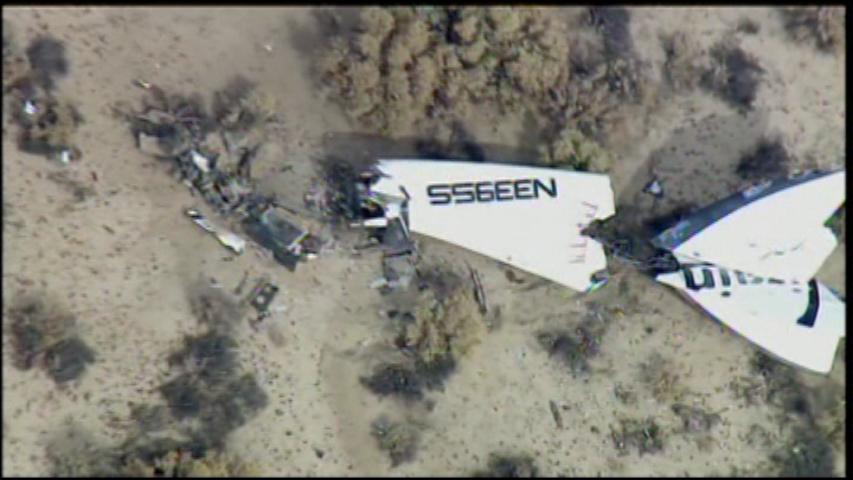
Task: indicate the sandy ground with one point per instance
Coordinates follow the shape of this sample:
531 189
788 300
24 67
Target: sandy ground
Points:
128 286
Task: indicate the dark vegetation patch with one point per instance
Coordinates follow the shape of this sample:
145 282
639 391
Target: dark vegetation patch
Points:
438 328
748 26
214 309
45 335
642 434
685 62
73 452
574 348
807 455
47 122
47 59
566 347
614 25
734 75
410 379
399 439
67 359
208 398
695 419
782 388
509 466
661 377
50 127
769 160
824 27
211 386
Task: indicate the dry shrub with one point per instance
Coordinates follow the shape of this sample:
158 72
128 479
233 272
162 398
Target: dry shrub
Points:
445 327
807 454
643 434
575 348
822 26
571 148
182 464
768 160
695 419
509 466
47 59
74 452
398 439
43 334
734 75
444 324
415 67
659 376
685 61
214 308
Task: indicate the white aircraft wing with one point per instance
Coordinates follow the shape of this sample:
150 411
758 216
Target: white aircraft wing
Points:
801 323
775 229
528 217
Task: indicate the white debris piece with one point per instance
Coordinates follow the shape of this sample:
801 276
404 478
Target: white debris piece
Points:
200 161
30 108
225 237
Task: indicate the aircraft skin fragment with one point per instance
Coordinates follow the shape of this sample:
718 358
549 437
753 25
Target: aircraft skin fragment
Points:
797 322
775 229
527 217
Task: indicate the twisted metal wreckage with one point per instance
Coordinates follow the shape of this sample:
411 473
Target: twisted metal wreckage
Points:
224 180
756 252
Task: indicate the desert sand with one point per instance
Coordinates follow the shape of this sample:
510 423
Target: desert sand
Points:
122 258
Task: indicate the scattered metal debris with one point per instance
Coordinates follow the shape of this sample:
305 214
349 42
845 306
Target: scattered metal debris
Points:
262 296
213 155
225 237
270 229
654 188
479 293
555 412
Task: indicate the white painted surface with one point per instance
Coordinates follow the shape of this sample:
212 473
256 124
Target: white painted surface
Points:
767 314
541 236
781 235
